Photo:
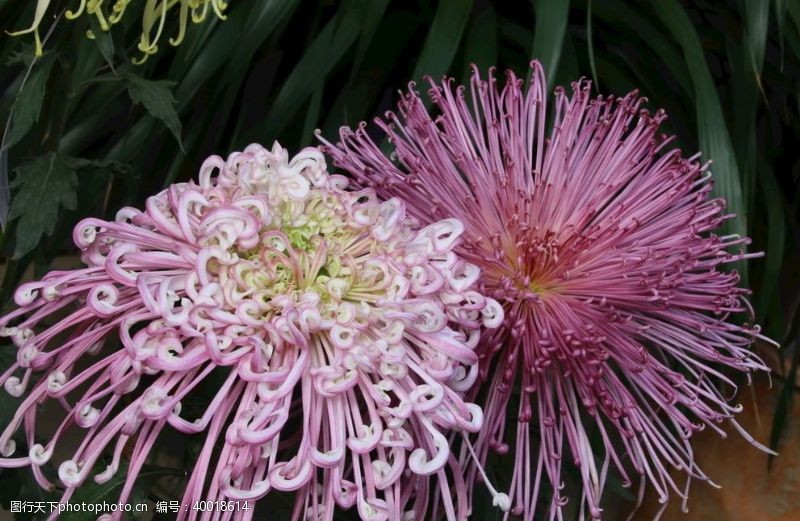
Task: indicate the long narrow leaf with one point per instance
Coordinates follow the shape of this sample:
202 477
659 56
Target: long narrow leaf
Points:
757 18
746 86
443 38
636 29
715 140
548 39
373 14
480 47
324 53
776 239
590 45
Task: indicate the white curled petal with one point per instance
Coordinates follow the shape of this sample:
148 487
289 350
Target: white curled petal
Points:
70 474
462 276
443 234
421 464
39 456
287 476
370 436
426 397
492 314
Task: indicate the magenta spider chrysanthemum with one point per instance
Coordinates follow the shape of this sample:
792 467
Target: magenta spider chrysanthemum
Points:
599 241
343 338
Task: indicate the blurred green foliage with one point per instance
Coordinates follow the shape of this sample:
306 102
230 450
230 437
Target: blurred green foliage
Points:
88 131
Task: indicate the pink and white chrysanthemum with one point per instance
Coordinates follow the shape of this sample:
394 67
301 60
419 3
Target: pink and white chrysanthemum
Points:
343 338
599 241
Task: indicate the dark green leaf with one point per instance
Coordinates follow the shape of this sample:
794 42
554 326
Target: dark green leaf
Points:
746 84
156 97
233 43
259 24
480 47
567 66
776 238
443 38
793 8
780 18
518 34
757 18
630 23
715 140
107 166
321 56
371 17
590 46
5 192
28 104
24 55
105 44
44 185
312 116
354 103
548 37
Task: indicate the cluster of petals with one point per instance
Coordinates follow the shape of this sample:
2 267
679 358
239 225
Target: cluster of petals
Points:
601 243
319 339
154 16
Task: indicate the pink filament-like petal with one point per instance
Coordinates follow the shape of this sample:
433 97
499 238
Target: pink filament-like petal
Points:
599 243
281 306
